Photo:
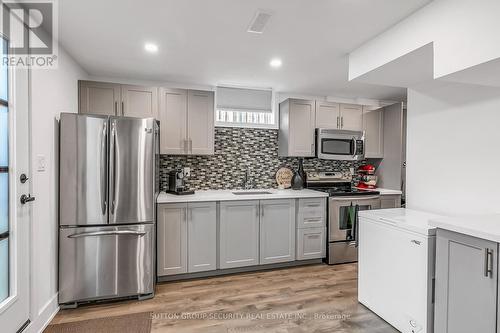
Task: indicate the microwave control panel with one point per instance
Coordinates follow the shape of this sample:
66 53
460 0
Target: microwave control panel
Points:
360 147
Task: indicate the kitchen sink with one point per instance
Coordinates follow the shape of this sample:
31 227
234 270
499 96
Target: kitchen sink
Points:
251 192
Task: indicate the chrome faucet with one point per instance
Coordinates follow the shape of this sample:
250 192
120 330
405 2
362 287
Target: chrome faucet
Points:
246 184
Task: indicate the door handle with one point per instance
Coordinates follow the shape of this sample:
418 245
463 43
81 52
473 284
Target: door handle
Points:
123 108
26 198
338 122
108 233
116 108
341 122
488 263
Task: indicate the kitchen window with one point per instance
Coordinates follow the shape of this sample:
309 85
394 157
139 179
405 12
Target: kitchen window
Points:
244 107
4 176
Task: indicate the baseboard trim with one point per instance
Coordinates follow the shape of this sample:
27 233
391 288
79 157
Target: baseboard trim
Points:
228 271
45 316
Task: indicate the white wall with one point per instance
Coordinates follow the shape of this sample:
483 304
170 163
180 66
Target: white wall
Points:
464 32
453 152
52 92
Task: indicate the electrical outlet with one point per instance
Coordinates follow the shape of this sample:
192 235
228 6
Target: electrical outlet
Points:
187 172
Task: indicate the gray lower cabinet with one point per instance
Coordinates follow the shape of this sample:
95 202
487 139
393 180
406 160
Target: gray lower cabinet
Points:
187 238
466 284
202 236
277 231
239 234
390 201
311 243
311 229
172 239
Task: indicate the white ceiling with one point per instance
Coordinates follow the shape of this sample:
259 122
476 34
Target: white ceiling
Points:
205 42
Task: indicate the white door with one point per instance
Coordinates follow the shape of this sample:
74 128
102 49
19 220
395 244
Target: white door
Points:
202 236
172 239
277 231
14 216
239 234
351 117
200 127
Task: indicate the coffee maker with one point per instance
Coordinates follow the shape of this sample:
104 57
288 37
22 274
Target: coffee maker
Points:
176 183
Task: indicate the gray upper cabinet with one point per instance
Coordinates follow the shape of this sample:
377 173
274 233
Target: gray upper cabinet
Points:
297 125
202 236
351 117
173 120
187 122
466 284
139 102
373 125
112 99
277 231
200 126
99 98
172 239
327 115
239 234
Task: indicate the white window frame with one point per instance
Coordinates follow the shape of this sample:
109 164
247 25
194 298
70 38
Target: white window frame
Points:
275 113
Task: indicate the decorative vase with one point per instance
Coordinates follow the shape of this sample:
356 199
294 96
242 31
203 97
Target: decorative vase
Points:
299 177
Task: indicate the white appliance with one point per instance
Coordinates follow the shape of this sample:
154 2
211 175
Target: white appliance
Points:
396 267
334 144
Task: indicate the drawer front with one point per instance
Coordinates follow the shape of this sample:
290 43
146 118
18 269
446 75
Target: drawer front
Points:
311 243
311 213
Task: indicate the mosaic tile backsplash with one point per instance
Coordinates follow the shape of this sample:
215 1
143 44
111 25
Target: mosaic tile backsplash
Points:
238 149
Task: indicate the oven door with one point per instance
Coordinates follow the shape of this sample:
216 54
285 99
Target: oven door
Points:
343 215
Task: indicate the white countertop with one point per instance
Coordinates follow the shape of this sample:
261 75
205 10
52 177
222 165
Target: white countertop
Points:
228 195
386 191
407 219
480 226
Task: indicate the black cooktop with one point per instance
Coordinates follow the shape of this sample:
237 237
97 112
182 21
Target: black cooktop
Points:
346 192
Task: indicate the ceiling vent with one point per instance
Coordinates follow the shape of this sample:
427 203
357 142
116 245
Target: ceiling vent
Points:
259 21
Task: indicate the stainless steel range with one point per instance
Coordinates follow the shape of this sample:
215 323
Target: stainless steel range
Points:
343 206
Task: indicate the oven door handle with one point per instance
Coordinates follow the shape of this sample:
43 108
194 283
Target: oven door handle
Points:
372 197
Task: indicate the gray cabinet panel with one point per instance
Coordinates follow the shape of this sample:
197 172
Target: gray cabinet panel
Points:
172 239
390 201
239 234
99 98
277 231
139 102
466 284
202 236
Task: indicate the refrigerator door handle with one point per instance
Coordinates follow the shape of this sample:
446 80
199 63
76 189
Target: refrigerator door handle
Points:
108 233
104 162
113 168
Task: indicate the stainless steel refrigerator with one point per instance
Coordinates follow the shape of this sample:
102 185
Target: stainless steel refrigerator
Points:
107 191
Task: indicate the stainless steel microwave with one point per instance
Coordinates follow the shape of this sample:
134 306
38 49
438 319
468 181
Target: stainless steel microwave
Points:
333 144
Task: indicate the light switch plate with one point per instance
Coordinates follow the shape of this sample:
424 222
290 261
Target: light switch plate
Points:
187 172
41 163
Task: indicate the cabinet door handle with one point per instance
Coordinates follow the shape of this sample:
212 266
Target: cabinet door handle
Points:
123 108
341 122
190 145
338 122
116 108
262 211
488 263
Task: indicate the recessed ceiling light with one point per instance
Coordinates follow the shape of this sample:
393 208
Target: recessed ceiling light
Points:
275 63
150 47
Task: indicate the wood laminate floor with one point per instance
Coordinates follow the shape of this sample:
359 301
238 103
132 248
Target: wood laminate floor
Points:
318 298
